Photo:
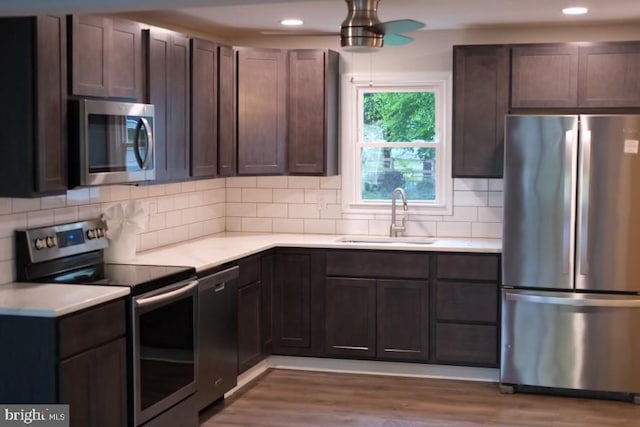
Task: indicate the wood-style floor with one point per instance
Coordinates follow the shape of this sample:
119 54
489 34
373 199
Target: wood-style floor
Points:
301 398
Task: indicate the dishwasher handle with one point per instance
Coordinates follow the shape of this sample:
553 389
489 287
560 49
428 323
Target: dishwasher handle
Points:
217 280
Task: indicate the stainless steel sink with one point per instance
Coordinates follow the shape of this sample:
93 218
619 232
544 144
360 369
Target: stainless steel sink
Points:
389 240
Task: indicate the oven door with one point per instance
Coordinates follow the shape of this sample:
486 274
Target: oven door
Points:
164 348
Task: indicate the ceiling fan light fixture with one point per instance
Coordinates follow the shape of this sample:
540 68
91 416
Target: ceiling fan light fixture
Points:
291 22
577 10
362 31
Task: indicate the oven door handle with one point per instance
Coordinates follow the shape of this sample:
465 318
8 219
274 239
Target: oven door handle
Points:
167 296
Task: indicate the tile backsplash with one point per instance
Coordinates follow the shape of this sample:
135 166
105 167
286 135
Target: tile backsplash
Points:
177 212
183 211
313 205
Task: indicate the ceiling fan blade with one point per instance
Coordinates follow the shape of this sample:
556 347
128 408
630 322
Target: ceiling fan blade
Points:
396 39
397 27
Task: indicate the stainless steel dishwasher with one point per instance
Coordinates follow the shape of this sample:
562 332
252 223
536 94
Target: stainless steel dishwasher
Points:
217 367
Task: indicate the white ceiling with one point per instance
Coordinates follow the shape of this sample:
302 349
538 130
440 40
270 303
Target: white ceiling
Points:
255 16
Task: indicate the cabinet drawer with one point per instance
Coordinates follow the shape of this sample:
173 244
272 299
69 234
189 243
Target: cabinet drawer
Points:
474 344
464 301
397 265
92 327
468 267
249 272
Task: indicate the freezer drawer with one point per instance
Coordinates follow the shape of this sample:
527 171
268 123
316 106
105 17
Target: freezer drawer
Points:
570 340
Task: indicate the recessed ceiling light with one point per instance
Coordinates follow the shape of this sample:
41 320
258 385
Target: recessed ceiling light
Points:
575 10
291 22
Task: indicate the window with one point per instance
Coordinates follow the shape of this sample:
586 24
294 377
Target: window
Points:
396 135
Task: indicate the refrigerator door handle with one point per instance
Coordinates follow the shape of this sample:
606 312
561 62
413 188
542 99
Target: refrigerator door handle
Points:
585 167
570 149
574 302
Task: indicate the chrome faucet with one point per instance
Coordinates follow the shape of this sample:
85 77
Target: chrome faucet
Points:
394 228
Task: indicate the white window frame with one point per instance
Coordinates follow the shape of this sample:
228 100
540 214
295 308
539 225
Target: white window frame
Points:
353 88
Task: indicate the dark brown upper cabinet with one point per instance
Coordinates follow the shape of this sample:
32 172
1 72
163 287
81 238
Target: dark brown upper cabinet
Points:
480 102
204 108
262 111
227 150
106 57
313 112
544 76
33 152
609 75
168 65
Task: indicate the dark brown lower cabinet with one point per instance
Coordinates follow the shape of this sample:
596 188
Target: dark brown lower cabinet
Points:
403 320
466 344
94 385
249 330
350 317
79 359
298 302
465 323
382 319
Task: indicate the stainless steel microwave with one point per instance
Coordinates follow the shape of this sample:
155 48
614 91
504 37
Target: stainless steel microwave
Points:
111 142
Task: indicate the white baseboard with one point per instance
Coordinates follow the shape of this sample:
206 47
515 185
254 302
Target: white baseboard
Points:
400 369
371 367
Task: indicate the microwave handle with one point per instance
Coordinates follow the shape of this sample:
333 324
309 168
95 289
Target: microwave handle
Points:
143 122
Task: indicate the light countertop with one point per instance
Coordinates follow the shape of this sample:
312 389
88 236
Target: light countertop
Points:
53 300
212 251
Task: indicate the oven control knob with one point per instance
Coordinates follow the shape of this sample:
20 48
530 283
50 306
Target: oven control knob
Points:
51 241
40 244
100 232
91 234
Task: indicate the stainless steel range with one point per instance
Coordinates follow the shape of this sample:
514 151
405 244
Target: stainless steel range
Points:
162 338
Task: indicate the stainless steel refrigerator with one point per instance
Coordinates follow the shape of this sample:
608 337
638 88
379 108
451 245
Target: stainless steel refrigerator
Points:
571 253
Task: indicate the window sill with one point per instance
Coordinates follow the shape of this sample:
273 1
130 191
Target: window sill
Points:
385 208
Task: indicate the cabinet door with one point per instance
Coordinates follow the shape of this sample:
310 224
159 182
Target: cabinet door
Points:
465 322
125 60
106 57
226 112
350 309
110 385
312 112
90 49
94 385
262 111
249 328
544 76
268 279
402 320
609 75
204 108
168 80
292 302
51 152
480 102
466 344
